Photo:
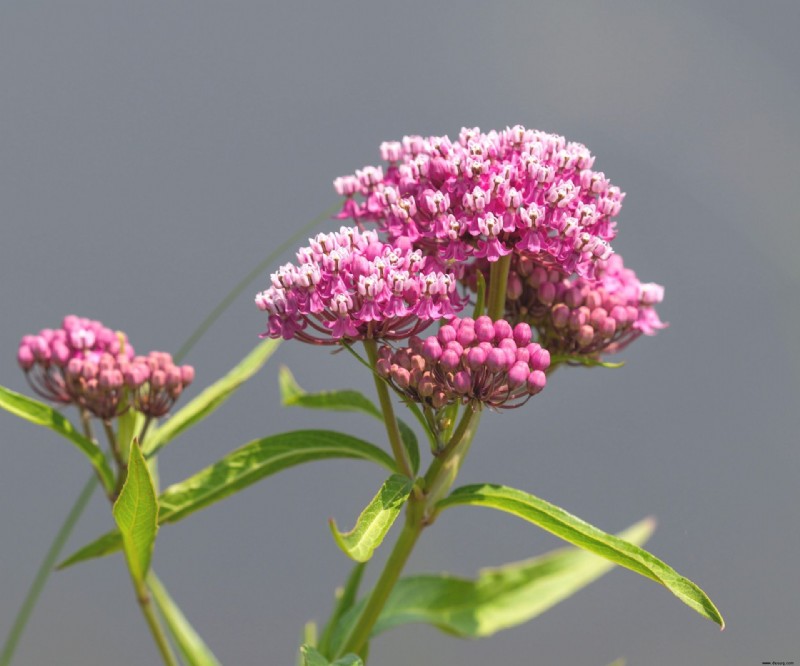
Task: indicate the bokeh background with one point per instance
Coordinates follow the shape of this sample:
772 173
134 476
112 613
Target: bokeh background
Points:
152 153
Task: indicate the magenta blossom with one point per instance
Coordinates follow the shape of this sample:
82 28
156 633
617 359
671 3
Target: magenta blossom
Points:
45 357
488 195
350 286
469 361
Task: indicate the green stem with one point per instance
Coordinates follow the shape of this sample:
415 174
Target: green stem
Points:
498 281
399 451
43 573
160 638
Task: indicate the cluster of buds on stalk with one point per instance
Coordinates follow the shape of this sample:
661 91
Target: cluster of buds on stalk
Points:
469 361
89 365
350 286
581 316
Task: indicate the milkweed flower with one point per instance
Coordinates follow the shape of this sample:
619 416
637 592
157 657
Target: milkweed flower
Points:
469 361
89 365
348 285
488 195
582 316
45 357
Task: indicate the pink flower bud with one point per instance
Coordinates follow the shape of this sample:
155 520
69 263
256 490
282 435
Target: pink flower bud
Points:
522 334
536 382
431 349
484 329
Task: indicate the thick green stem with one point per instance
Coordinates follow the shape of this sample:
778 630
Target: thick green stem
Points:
399 451
44 570
498 281
160 638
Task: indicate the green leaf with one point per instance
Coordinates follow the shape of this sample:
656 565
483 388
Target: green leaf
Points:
292 395
192 648
259 459
410 443
136 514
107 544
211 398
313 658
375 520
40 414
242 468
499 598
582 534
346 400
345 598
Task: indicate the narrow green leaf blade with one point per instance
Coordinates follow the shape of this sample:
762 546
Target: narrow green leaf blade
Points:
375 520
576 359
211 398
40 414
499 598
293 395
192 648
108 543
136 514
346 400
410 443
259 459
582 534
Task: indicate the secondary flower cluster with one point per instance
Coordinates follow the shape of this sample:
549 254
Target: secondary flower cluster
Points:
89 365
349 285
487 195
469 361
581 316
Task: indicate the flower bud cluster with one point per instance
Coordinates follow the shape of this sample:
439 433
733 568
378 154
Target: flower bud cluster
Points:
44 357
86 364
488 195
581 316
349 285
469 361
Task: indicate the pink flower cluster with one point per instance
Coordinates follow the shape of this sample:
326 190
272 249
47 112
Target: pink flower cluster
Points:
44 357
487 195
349 285
86 364
581 316
476 361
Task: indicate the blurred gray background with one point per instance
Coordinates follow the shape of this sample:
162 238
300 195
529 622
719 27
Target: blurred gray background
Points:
152 153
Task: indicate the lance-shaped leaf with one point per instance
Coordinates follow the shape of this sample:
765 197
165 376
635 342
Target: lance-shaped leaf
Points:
499 598
346 400
310 657
242 468
576 359
582 534
192 648
136 514
44 415
211 398
375 520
